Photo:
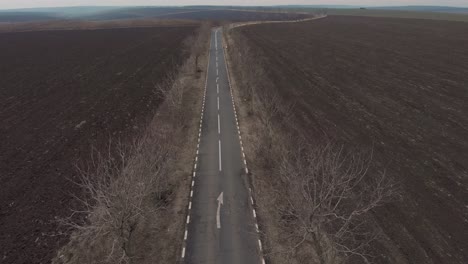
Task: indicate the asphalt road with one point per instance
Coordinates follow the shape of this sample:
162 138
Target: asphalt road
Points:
221 224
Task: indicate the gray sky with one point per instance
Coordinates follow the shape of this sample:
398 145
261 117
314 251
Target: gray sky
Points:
7 4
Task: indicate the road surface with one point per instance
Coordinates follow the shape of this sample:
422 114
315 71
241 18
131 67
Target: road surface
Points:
221 223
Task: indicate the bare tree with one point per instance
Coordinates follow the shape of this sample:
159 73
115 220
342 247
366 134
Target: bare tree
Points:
116 186
329 193
170 89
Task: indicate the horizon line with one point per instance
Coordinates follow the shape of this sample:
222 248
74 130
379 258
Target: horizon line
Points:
281 5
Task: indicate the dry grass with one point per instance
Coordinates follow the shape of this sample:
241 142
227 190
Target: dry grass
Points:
133 211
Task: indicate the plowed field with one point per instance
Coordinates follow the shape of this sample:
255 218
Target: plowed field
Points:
400 87
62 92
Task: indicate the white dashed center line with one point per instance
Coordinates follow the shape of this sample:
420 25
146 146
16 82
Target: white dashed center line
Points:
220 167
190 218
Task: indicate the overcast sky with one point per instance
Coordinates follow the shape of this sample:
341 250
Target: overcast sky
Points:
8 4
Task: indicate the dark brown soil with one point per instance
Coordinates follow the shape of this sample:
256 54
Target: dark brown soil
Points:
400 87
60 93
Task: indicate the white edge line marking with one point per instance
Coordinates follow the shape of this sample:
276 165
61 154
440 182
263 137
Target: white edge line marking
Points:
198 145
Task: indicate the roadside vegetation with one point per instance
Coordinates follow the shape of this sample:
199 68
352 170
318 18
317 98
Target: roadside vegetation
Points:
133 207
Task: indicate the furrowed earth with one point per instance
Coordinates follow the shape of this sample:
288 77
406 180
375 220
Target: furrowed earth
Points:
397 86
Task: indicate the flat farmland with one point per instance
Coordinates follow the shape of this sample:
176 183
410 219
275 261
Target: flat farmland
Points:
62 92
398 86
135 13
225 15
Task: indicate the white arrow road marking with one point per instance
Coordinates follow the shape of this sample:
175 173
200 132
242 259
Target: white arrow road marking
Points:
220 202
